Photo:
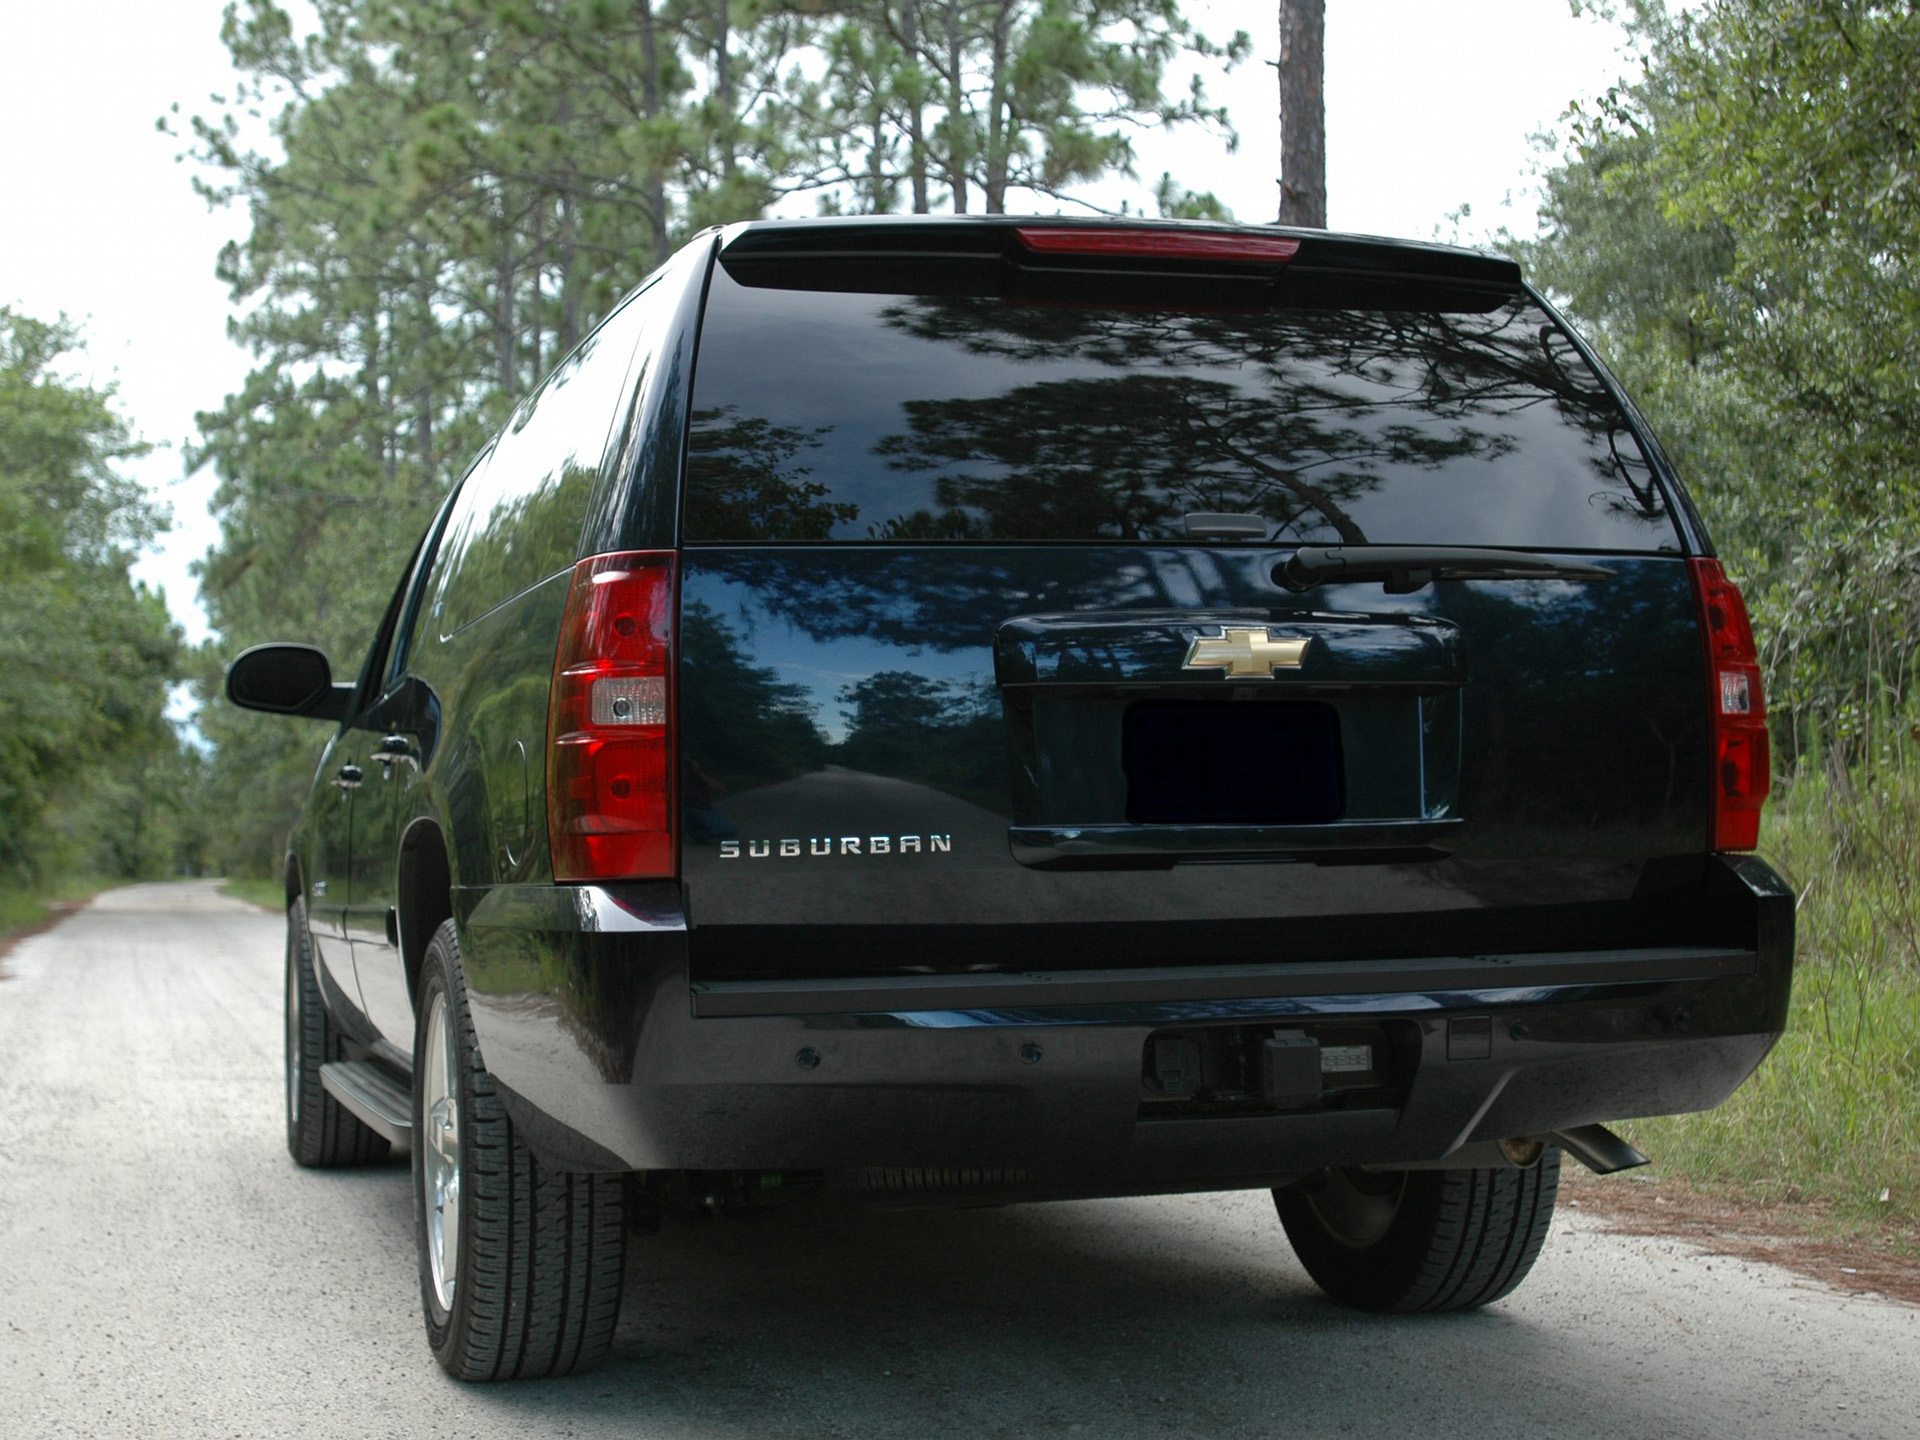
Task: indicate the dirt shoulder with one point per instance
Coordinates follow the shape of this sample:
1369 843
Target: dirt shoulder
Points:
57 910
1802 1237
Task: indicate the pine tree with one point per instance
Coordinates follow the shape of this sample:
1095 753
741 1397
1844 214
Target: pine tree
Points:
457 190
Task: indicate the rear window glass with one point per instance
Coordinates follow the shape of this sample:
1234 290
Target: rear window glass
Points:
829 416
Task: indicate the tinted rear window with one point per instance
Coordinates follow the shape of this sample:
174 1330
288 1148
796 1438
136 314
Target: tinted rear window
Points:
828 416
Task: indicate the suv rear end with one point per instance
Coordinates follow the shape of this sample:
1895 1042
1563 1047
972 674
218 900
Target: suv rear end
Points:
1024 796
1049 708
1083 708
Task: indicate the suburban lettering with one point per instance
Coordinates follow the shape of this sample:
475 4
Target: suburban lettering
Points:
789 848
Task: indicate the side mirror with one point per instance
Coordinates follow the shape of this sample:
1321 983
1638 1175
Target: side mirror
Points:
287 680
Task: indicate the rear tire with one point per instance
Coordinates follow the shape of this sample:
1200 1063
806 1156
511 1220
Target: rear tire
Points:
1420 1240
321 1132
521 1267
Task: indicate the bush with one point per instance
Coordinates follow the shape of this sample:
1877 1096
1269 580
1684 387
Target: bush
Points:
1833 1115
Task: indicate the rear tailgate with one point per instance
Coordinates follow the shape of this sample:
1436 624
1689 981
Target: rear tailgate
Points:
969 682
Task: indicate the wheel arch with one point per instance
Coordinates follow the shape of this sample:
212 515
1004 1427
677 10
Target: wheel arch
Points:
425 895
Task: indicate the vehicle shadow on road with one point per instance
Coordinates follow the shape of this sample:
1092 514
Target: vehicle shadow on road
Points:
1183 1315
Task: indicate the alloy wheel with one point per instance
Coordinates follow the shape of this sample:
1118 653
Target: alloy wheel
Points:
1357 1207
296 1071
440 1156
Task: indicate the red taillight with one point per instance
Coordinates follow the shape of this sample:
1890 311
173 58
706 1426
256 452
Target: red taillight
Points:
610 750
1157 244
1742 756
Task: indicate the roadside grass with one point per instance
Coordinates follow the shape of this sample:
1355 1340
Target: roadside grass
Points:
24 906
1831 1121
267 894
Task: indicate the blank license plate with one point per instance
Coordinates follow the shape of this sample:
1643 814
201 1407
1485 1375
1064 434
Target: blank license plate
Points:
1261 763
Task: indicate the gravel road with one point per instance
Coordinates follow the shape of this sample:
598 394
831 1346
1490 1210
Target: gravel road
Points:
166 1270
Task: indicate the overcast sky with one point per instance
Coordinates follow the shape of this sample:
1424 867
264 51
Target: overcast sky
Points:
1430 106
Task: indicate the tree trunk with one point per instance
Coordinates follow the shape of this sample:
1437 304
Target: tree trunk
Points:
504 348
956 116
569 290
916 133
999 122
370 388
536 302
650 107
723 81
423 432
1303 113
423 398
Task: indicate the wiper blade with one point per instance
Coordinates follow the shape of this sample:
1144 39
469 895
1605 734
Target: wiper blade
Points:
1403 569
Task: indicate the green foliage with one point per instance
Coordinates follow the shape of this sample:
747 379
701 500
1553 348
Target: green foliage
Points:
19 909
258 768
1834 1114
267 894
24 906
981 98
459 193
454 193
92 777
1176 202
1739 229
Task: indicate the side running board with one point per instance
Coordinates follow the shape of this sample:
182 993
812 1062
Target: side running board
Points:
377 1100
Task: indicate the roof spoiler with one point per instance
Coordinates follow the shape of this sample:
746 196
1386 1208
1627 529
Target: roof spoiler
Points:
1064 259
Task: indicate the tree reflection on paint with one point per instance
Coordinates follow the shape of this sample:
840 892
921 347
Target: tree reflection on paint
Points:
742 725
860 417
943 733
750 484
1073 463
1299 416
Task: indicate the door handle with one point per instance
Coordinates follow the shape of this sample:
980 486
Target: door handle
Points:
349 777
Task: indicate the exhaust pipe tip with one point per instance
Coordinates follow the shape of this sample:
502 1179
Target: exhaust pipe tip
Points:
1599 1149
1523 1153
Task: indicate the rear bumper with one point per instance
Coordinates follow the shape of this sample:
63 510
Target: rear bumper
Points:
611 1059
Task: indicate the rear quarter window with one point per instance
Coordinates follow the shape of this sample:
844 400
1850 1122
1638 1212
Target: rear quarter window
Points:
831 416
517 517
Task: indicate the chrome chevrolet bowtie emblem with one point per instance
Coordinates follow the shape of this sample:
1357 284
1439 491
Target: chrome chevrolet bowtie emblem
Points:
1244 654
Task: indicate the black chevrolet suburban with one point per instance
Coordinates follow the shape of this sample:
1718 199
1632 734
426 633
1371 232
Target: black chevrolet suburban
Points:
982 710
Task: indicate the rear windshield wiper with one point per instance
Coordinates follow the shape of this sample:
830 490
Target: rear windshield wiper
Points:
1403 569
